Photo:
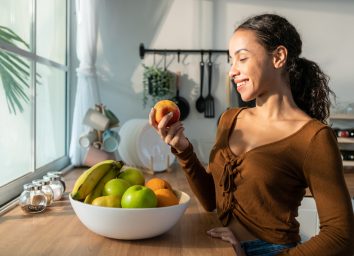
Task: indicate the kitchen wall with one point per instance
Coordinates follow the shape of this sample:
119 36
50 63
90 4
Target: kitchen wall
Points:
325 26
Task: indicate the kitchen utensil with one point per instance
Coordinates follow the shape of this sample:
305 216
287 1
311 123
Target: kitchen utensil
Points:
181 102
200 103
209 100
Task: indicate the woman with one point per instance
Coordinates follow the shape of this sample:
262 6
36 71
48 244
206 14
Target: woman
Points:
265 157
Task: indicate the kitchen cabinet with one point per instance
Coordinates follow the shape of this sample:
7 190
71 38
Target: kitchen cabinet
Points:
344 121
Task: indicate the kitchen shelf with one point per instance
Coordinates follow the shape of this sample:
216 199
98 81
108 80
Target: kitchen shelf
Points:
345 140
348 163
342 117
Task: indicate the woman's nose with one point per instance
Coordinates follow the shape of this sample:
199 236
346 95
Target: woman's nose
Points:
233 71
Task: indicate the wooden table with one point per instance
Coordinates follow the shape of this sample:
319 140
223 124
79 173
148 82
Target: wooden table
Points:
59 232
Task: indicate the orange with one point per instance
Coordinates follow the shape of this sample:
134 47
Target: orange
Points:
165 197
157 183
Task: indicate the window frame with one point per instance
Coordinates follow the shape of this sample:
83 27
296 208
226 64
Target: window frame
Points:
11 190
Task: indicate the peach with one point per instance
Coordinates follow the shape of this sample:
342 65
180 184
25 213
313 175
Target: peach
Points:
163 107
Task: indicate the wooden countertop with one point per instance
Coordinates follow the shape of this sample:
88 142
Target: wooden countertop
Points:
59 232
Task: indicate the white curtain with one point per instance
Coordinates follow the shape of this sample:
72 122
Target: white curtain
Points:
87 94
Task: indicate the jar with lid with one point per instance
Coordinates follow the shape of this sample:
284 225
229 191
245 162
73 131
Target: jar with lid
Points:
56 185
62 180
32 199
47 190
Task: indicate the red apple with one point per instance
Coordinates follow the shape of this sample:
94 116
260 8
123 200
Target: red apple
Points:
163 107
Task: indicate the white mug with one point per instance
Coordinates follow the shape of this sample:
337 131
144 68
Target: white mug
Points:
96 120
87 139
110 141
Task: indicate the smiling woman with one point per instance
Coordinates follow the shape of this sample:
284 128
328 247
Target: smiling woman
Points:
33 107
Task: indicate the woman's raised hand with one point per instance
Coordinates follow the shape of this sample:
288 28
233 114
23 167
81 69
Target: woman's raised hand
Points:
172 135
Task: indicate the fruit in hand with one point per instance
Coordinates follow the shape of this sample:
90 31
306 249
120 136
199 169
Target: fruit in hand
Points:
165 197
133 175
139 196
107 201
157 183
115 187
163 107
89 179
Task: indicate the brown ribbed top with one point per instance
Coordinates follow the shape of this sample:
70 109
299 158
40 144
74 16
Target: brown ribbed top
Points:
263 187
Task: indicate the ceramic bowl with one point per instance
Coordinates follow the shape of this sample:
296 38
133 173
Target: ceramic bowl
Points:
132 223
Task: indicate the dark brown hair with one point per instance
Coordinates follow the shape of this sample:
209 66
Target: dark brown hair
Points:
309 85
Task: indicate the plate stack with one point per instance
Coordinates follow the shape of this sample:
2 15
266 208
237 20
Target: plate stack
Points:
141 146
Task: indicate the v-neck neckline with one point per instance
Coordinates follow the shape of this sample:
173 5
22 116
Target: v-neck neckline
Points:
233 126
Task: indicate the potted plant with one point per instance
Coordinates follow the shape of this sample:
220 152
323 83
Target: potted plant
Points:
14 72
157 84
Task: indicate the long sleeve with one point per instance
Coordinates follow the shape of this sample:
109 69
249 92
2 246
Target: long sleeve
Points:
200 181
324 174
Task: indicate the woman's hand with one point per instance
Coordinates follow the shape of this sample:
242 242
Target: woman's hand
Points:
172 135
226 234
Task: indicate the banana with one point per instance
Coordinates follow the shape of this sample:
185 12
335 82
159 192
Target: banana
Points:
88 180
97 191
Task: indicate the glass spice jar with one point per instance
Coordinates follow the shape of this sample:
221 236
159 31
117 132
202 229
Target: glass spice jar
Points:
56 185
32 199
47 190
62 180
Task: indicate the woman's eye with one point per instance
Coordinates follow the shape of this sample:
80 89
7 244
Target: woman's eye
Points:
243 59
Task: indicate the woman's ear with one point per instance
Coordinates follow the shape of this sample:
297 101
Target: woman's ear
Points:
280 55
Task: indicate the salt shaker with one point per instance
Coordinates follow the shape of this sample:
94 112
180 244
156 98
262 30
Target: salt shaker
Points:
32 199
56 185
47 190
62 180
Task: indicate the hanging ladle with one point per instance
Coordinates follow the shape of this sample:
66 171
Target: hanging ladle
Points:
200 103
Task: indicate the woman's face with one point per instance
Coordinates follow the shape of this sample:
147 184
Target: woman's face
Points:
252 66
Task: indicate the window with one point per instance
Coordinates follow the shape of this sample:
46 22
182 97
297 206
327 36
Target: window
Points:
33 91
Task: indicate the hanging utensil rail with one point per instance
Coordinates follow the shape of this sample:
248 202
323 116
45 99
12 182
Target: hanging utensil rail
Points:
143 51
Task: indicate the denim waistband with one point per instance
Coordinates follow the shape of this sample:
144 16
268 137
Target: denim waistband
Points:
262 248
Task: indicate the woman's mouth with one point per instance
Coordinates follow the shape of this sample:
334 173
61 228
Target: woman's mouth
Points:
241 84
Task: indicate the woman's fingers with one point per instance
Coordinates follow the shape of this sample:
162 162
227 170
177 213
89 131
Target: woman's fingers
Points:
224 233
172 131
152 121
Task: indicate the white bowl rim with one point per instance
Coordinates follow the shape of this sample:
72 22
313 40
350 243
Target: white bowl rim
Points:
180 194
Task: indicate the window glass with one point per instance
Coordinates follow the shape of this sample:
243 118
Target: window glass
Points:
16 15
15 128
50 115
51 30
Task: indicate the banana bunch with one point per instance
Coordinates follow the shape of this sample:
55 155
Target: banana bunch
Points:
90 184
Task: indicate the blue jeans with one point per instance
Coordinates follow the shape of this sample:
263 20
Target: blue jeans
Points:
262 248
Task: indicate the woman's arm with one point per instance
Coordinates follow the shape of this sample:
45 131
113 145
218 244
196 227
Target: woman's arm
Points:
199 180
324 173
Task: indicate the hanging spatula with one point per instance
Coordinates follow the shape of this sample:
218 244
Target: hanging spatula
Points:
209 100
200 103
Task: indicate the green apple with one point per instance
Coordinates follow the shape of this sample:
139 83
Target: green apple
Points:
133 175
138 196
107 201
115 187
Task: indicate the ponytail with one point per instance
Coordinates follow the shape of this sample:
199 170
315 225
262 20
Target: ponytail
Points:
309 87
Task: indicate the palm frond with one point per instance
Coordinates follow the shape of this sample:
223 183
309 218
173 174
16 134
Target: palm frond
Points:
15 73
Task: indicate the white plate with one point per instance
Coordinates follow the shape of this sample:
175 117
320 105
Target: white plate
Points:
149 144
124 145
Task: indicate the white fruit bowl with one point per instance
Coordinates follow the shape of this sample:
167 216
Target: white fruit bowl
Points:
133 223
